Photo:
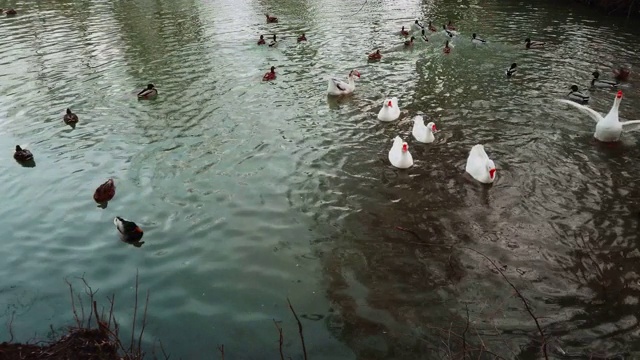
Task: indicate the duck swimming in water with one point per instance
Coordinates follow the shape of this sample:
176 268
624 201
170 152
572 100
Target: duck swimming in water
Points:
375 55
417 26
129 231
70 118
271 75
148 93
404 32
476 40
302 38
424 36
22 154
446 49
105 192
409 42
512 70
533 44
11 12
271 19
450 26
261 41
577 96
621 74
337 87
596 82
274 41
449 33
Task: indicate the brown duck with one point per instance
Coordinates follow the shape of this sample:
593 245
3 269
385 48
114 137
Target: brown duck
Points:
105 192
70 118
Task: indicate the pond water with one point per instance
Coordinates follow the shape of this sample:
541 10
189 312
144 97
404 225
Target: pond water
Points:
252 192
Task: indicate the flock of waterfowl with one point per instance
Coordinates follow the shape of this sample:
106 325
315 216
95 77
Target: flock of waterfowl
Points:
479 165
129 231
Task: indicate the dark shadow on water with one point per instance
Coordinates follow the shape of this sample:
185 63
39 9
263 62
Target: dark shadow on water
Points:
134 243
103 205
335 102
28 164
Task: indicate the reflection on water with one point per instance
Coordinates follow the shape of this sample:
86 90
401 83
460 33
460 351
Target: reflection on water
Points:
250 193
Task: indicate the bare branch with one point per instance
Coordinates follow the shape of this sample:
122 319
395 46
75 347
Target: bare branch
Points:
73 305
13 313
304 348
522 298
144 323
135 314
221 350
281 340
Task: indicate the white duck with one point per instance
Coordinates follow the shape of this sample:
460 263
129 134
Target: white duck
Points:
608 128
390 110
422 133
399 155
479 166
338 87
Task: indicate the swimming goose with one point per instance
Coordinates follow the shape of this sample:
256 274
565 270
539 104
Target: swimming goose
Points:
422 133
338 87
404 32
271 19
417 26
512 70
399 155
608 128
479 166
390 110
70 118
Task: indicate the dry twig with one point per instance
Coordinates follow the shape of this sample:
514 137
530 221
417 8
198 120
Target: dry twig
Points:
304 348
281 339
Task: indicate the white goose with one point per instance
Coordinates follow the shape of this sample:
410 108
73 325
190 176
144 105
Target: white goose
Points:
608 128
479 166
338 87
422 133
390 110
399 155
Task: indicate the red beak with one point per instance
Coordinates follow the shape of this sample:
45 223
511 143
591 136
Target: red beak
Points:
433 128
390 104
619 96
492 173
405 147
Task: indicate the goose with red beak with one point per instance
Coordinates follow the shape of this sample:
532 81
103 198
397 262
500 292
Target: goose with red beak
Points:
390 110
608 128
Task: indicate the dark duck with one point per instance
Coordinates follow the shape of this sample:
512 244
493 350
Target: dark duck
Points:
129 231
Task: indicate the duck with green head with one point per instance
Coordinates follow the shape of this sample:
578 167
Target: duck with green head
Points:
148 93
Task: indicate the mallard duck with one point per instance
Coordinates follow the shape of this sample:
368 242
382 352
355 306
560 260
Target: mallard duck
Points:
533 44
11 12
129 231
261 41
22 154
271 19
302 38
105 192
147 93
70 118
